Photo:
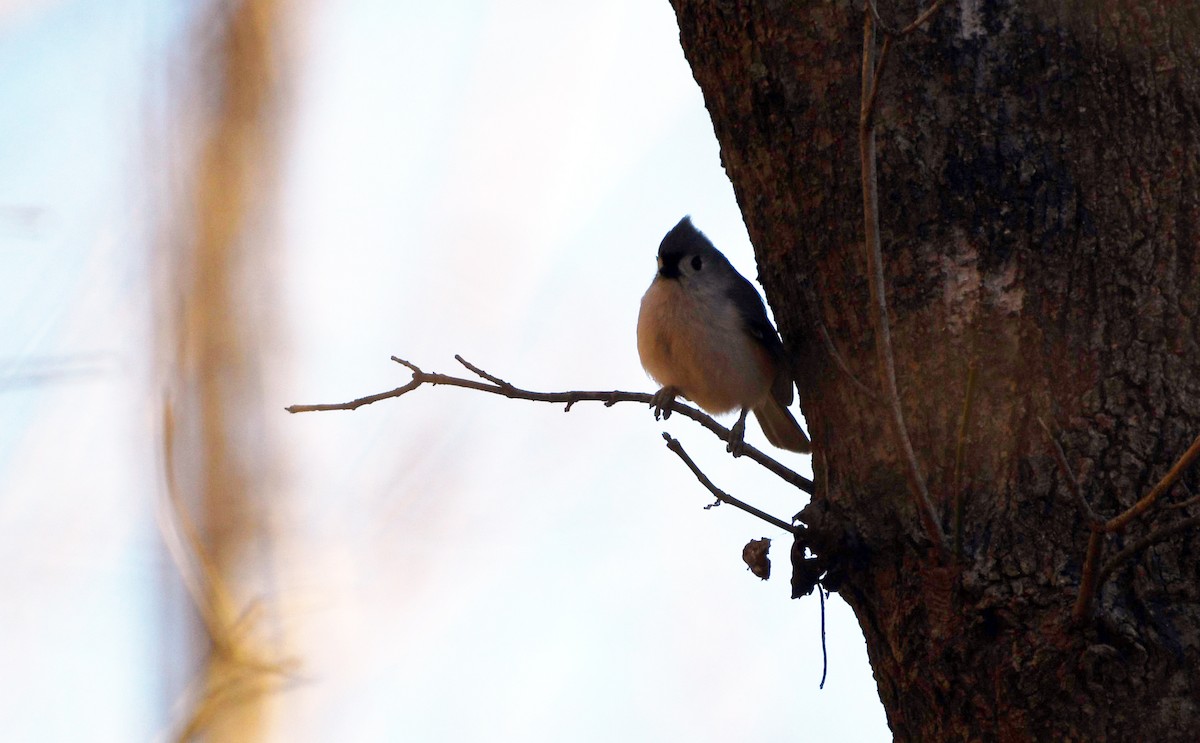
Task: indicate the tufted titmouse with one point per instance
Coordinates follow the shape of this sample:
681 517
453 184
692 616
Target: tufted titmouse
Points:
703 333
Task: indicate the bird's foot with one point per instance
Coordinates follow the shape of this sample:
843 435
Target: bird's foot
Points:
662 400
737 443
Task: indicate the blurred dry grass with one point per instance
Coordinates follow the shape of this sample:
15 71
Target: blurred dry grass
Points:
217 522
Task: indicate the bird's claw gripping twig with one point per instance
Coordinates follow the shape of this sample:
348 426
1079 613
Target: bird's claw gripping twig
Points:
661 402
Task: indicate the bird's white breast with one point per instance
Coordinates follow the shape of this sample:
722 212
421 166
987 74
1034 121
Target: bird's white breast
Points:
695 339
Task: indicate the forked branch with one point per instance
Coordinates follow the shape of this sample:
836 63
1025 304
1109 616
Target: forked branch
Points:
494 385
1093 576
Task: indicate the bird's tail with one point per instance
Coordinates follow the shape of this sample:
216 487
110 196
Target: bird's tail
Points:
781 428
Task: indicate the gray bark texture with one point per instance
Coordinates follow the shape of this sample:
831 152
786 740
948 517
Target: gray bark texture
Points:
1039 167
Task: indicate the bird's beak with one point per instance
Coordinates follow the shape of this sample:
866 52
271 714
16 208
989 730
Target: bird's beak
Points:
668 269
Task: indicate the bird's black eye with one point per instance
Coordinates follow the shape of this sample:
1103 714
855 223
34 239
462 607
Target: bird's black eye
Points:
696 262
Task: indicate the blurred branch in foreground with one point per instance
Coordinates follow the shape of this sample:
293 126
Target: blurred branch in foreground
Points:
35 371
239 669
219 466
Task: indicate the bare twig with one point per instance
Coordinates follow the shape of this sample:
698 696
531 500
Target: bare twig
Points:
1120 522
1087 581
841 362
920 21
871 73
871 94
956 480
489 377
674 445
1089 514
1191 501
879 22
1151 539
1093 577
497 386
359 402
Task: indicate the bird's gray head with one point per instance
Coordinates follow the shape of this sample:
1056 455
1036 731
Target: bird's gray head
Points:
687 255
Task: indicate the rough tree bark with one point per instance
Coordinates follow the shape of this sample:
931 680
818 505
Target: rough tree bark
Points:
1038 171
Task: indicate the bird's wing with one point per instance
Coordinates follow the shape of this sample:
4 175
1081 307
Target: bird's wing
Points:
754 314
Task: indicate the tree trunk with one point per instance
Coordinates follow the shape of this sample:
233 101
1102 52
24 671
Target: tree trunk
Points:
1038 168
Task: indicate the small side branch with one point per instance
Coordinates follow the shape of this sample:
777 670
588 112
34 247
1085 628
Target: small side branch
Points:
956 479
358 402
921 20
480 372
1093 576
1191 501
496 386
841 362
1120 522
872 72
1087 581
1146 542
1093 519
674 445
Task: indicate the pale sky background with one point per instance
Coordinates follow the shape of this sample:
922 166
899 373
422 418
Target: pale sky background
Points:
484 178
